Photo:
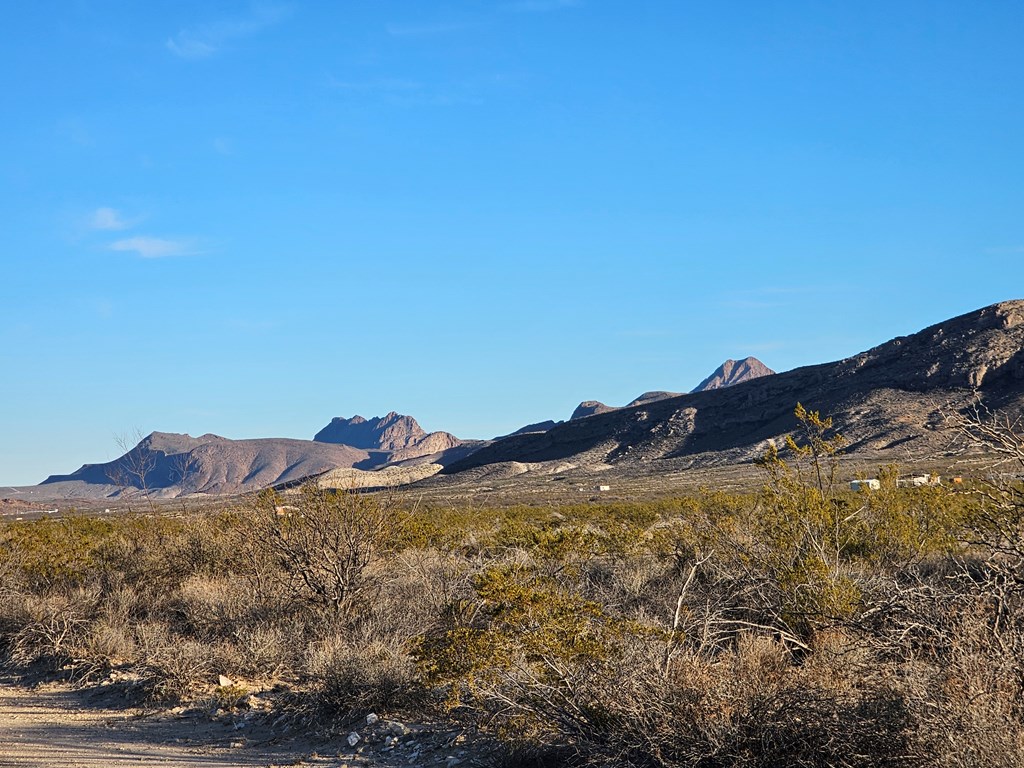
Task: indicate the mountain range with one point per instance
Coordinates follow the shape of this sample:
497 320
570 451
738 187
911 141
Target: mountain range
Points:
887 400
890 402
728 374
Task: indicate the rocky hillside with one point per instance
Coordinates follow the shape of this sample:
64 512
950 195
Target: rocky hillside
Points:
727 374
399 435
589 408
889 398
733 372
170 465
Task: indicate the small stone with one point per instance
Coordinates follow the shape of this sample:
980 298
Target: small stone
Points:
398 729
372 718
353 739
224 682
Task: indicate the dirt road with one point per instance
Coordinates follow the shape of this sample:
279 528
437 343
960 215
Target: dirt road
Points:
56 727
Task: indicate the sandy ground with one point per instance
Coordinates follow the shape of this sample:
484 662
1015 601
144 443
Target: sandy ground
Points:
55 726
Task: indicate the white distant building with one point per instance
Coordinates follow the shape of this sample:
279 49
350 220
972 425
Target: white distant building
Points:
919 481
870 484
604 488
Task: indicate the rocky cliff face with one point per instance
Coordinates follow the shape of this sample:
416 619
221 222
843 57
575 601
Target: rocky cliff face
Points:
381 433
399 435
733 372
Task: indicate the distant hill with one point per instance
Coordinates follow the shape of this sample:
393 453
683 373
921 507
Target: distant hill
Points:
652 397
727 374
589 408
170 465
395 433
540 426
887 401
733 372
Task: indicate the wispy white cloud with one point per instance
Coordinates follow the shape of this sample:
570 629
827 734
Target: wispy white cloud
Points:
425 30
108 219
204 40
153 247
541 6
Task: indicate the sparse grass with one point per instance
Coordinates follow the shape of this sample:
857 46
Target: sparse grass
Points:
785 628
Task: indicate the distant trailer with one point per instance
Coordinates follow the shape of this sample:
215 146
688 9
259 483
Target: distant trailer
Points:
870 484
919 481
604 488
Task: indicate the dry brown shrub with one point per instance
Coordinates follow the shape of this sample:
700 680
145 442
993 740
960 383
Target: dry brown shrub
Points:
173 667
345 681
50 627
213 607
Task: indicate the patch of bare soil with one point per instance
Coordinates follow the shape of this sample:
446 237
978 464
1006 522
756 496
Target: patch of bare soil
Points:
55 725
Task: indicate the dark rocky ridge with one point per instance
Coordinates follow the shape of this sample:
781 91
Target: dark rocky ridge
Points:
890 396
728 374
589 408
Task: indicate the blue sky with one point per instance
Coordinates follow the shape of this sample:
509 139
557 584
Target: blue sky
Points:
247 218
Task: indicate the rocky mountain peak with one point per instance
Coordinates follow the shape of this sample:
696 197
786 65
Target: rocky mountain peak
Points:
391 432
733 372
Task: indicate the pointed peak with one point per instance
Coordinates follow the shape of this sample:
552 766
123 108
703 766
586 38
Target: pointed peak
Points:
733 372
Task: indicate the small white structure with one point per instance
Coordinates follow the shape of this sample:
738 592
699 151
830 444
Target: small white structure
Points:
919 481
604 488
870 484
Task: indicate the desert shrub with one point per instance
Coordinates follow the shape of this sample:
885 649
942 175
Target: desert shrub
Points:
172 667
52 553
47 628
346 680
213 607
526 653
323 544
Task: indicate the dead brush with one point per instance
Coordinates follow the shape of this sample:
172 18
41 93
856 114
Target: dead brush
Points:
171 667
212 607
345 681
753 706
50 628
